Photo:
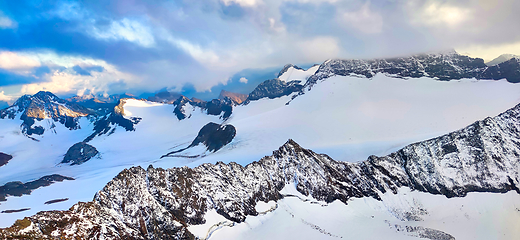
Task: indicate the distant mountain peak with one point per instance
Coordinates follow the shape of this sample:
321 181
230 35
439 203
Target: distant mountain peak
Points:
502 58
238 98
286 68
44 105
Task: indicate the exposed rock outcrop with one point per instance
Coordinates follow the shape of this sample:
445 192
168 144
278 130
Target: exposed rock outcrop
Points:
237 98
4 158
213 136
18 188
79 153
273 88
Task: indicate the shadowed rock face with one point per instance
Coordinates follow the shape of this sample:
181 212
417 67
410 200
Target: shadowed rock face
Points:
18 188
159 203
213 107
214 136
273 88
79 153
4 158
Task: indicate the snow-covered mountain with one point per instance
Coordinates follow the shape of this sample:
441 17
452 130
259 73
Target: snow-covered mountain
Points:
44 105
165 203
500 59
347 116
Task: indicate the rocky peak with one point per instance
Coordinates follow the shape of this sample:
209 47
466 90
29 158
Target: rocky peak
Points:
273 88
286 68
44 105
237 98
217 107
440 65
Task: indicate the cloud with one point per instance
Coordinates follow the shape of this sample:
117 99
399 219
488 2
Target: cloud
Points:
63 74
126 29
6 22
6 98
320 48
243 80
440 14
17 62
243 3
364 20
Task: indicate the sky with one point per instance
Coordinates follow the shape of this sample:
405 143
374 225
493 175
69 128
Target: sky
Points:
198 47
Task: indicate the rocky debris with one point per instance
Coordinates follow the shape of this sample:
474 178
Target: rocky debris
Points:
442 66
154 203
4 158
500 59
165 97
108 123
15 210
44 105
79 153
56 201
214 136
422 232
18 188
184 106
273 88
237 98
286 68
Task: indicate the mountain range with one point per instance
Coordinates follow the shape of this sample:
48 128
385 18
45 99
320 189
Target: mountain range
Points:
335 108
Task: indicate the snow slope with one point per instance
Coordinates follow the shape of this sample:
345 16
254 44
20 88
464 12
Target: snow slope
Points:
350 118
476 216
293 73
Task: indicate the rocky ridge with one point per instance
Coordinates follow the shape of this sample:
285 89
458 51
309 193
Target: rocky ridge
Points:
159 203
44 105
442 66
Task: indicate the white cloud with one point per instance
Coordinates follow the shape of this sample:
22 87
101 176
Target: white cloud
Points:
438 14
17 61
6 22
126 29
319 48
243 80
243 3
363 20
6 98
63 79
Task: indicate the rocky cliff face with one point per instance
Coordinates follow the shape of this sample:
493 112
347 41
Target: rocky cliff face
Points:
44 105
4 158
237 98
184 106
443 66
79 153
159 203
273 88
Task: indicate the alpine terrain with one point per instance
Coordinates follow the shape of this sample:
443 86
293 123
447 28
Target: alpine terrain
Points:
419 147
